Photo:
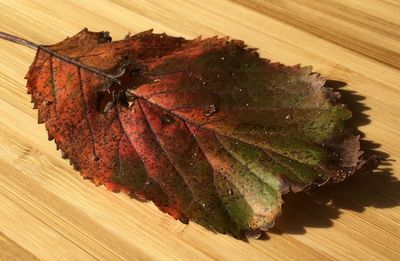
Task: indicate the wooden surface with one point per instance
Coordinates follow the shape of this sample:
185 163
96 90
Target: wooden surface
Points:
48 212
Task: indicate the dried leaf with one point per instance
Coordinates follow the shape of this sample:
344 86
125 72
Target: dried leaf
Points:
205 129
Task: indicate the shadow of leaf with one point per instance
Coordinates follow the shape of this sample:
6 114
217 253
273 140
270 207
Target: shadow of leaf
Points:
379 189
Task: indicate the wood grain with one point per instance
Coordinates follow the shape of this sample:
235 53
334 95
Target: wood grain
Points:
48 212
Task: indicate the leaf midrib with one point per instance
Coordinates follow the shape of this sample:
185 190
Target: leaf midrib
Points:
214 132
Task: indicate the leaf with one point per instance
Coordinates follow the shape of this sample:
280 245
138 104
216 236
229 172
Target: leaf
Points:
205 129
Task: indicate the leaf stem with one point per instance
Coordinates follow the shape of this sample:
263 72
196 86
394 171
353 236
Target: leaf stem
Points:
35 46
18 40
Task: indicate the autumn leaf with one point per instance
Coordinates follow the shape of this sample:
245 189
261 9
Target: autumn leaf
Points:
206 129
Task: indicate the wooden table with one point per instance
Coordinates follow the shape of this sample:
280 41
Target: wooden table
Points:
48 212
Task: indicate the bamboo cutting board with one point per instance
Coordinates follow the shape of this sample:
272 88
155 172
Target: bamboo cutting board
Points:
48 212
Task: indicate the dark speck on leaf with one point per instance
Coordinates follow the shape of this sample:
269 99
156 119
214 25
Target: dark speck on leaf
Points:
167 119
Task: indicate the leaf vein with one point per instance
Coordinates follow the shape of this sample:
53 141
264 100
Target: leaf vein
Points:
85 112
169 158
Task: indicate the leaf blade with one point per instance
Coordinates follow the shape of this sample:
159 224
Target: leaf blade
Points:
205 129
